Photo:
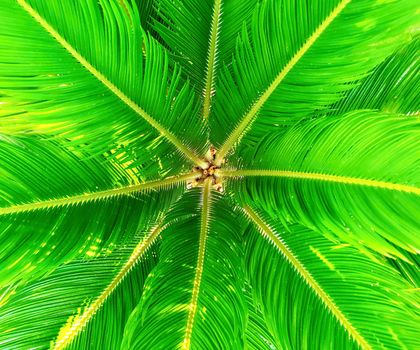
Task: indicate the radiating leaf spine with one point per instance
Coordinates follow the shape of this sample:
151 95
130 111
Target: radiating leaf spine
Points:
100 195
73 328
130 103
205 213
269 234
211 58
250 116
345 180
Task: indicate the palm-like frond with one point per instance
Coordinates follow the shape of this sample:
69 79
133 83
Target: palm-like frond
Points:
185 304
325 178
77 210
319 279
193 31
258 336
393 86
122 227
312 52
57 205
120 104
60 298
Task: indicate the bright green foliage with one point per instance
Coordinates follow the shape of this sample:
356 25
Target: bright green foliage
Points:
121 229
221 293
325 145
343 271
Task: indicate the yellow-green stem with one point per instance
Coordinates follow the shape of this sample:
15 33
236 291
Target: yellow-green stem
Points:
105 81
211 59
269 234
205 213
320 177
76 324
100 195
250 116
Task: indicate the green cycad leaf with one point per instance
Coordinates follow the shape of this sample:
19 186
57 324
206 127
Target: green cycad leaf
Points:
392 87
323 293
86 207
258 336
28 162
356 175
146 12
299 57
105 330
194 295
33 315
66 69
201 35
105 146
409 270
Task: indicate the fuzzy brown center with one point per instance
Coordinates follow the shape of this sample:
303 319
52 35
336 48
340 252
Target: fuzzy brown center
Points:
208 171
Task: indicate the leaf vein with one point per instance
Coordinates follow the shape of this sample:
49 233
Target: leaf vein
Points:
100 195
269 234
345 180
205 213
211 59
108 84
75 325
250 116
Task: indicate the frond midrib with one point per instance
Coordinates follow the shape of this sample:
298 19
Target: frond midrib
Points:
269 234
205 212
211 59
108 84
250 116
95 196
76 324
344 180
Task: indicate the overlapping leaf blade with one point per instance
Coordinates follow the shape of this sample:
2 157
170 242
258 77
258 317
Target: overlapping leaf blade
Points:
372 295
358 35
392 87
258 337
46 87
357 145
186 27
34 314
161 318
106 329
34 239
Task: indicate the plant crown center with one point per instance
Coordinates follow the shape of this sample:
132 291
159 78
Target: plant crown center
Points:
208 171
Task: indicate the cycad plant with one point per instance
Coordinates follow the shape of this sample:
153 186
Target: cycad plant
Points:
209 174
